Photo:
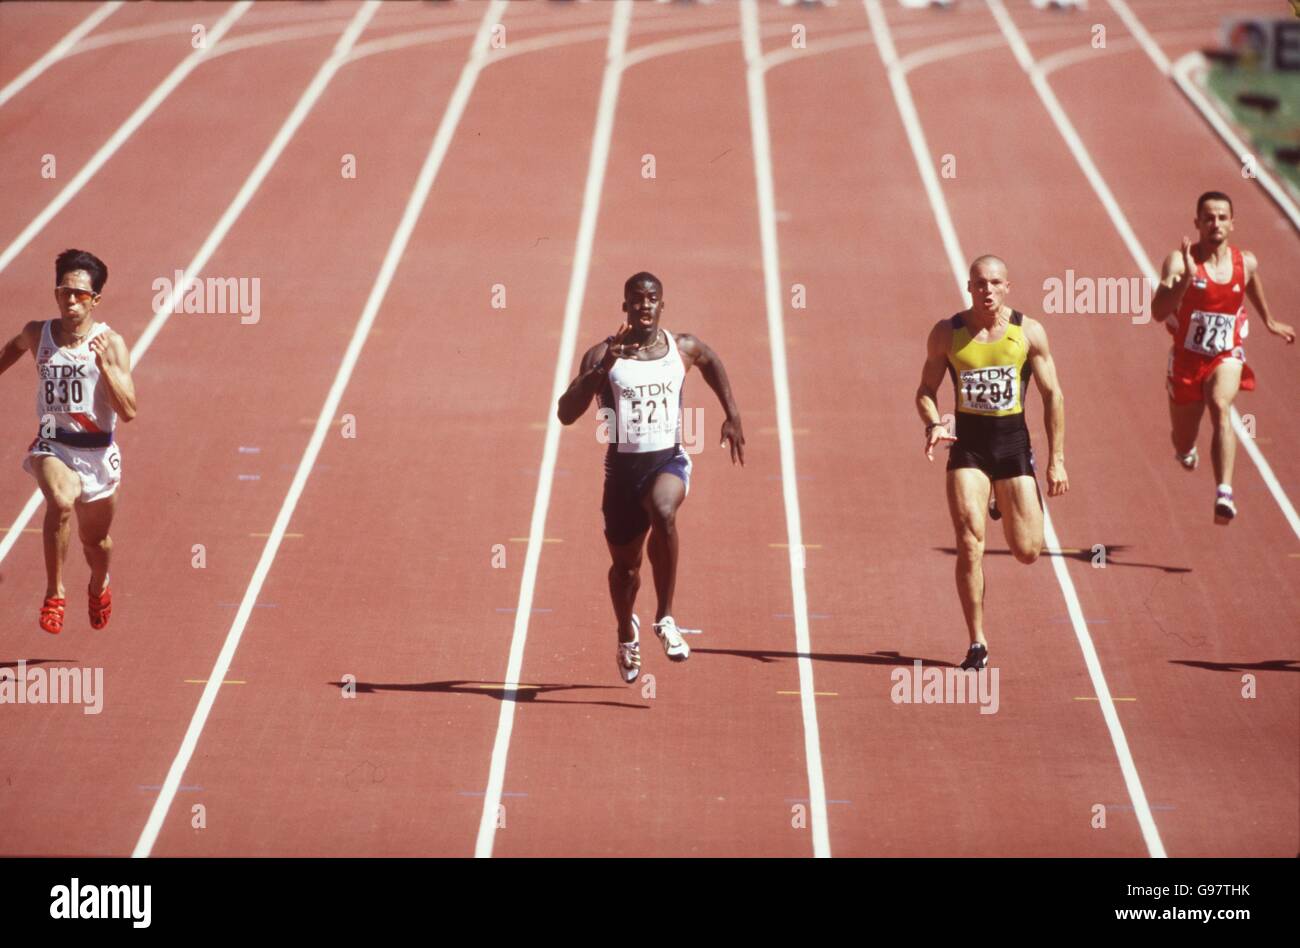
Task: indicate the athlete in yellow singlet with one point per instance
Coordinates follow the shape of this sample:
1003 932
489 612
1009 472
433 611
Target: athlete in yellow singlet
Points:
990 351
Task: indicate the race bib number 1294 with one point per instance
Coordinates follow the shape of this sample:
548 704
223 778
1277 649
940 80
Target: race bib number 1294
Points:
990 389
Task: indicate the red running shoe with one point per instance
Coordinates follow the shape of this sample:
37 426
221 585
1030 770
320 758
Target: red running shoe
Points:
52 615
101 607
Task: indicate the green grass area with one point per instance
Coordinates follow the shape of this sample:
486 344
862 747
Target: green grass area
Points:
1267 133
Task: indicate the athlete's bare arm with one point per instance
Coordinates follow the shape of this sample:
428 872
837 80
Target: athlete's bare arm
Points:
596 364
26 340
1255 293
927 393
1175 277
1049 387
696 353
114 363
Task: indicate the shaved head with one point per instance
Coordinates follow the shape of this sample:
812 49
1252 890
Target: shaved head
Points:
988 260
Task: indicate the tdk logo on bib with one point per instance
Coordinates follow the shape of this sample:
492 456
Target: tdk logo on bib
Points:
650 390
62 371
998 373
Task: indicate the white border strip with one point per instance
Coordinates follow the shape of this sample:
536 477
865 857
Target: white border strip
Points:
600 143
57 51
124 132
761 140
1180 73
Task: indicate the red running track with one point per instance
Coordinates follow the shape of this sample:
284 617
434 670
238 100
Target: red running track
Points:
386 570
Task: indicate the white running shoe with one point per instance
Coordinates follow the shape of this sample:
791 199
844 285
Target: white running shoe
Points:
629 654
674 645
1188 460
1224 508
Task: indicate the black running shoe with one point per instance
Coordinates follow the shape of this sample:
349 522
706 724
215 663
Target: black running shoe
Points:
994 513
976 657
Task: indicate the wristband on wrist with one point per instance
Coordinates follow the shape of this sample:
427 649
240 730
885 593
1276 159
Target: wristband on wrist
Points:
932 425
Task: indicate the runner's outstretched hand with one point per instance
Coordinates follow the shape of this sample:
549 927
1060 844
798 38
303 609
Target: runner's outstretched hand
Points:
734 437
933 437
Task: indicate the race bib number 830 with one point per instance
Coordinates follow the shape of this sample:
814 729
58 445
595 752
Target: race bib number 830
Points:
990 389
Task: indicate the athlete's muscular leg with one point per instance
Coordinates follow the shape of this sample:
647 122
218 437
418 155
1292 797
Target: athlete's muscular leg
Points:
661 502
1022 516
93 521
968 502
1185 422
624 581
61 488
1220 389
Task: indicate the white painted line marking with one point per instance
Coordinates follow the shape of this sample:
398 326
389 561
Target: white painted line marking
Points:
124 132
1180 73
761 140
57 51
600 143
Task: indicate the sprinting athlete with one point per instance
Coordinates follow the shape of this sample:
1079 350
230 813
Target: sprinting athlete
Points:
1201 302
638 374
990 351
83 386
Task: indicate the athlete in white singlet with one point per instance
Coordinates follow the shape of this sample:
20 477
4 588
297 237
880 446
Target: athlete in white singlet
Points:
637 376
83 386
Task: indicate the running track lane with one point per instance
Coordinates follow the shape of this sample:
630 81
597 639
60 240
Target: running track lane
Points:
915 779
677 773
439 473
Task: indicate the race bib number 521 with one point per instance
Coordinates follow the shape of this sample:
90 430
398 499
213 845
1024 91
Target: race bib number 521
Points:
1210 333
990 389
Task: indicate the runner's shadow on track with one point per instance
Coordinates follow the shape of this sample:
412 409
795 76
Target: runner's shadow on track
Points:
491 689
37 661
1276 665
874 658
1084 556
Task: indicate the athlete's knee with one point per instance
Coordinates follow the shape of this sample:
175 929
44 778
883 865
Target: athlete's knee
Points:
625 573
1028 554
97 544
970 545
60 506
664 517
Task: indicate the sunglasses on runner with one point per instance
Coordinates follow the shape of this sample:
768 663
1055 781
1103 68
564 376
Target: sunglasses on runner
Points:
75 293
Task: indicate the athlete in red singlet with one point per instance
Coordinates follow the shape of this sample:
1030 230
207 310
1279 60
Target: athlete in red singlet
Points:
1201 302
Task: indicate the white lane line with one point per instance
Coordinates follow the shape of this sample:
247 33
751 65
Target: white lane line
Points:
1182 76
1121 224
254 181
1180 73
164 800
916 138
1133 783
57 51
600 143
761 141
124 132
843 41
